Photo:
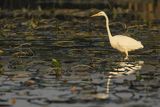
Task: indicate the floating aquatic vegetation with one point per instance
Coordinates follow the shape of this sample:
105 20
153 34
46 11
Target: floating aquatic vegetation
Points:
20 54
22 50
10 26
33 23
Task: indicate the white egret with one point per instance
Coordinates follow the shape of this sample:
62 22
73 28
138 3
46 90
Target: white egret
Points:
122 43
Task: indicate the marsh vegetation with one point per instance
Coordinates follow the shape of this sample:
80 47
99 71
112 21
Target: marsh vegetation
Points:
59 56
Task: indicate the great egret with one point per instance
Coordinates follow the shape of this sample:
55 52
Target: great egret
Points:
122 43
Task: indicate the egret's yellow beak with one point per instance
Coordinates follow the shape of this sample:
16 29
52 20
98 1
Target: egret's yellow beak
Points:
95 15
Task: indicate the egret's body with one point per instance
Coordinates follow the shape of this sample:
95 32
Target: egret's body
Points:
122 43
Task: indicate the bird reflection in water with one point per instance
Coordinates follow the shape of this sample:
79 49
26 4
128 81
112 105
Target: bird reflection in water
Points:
122 69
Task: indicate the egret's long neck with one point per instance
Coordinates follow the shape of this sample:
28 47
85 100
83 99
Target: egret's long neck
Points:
107 26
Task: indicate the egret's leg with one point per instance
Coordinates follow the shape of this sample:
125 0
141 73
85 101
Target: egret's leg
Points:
126 52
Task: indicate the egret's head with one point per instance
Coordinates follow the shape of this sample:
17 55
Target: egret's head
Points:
101 13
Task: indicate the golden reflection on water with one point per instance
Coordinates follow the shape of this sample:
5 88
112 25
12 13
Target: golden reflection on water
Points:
122 69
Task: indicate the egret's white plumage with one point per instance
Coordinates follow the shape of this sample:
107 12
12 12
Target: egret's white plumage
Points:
120 42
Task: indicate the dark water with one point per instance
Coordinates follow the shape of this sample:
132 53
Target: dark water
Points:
30 40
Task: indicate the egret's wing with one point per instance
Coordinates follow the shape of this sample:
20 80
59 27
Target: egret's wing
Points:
127 43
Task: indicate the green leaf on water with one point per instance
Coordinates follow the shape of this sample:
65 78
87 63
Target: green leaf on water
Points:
57 67
56 63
